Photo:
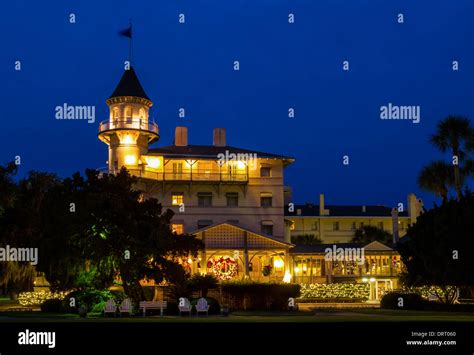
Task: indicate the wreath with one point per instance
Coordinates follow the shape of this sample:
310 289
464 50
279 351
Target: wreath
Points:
225 267
267 270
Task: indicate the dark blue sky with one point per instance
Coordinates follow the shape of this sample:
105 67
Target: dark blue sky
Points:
282 66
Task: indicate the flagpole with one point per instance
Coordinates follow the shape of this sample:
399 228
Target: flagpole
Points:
130 44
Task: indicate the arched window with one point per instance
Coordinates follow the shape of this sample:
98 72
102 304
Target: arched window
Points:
128 114
141 114
115 114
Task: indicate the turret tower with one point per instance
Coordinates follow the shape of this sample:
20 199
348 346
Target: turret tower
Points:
128 131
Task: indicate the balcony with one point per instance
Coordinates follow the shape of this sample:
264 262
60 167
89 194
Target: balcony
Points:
150 128
192 176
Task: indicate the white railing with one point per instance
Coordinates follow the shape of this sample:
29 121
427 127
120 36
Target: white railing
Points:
128 123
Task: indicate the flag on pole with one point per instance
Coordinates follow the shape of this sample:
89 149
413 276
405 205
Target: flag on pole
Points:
127 32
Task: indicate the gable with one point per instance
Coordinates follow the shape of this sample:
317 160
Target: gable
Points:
228 236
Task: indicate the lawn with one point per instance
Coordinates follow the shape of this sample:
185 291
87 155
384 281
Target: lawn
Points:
353 315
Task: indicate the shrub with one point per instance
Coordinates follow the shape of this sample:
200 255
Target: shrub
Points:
259 296
148 292
330 300
358 291
202 283
85 298
98 307
51 305
392 300
37 298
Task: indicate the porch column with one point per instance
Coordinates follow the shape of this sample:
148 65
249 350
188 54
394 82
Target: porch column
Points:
246 256
202 253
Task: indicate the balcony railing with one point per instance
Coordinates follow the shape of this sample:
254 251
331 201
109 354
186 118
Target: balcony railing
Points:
195 175
128 123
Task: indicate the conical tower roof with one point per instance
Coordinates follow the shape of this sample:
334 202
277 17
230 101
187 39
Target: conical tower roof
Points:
129 85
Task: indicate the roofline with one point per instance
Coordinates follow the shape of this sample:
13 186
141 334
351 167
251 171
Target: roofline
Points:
369 216
242 228
214 157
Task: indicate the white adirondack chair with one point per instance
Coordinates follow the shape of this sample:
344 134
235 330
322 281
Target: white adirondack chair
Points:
184 306
110 307
202 306
126 306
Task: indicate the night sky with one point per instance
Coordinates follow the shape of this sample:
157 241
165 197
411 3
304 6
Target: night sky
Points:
282 65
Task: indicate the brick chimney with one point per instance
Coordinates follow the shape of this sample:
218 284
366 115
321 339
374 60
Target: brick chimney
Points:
322 210
181 136
219 137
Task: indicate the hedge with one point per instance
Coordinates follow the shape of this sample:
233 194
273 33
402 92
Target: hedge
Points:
37 298
356 291
258 296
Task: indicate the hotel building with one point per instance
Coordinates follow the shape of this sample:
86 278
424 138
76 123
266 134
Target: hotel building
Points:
233 199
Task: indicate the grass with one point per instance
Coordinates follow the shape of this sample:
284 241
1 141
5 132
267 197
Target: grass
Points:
353 315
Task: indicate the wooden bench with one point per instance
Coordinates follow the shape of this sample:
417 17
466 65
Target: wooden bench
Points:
161 305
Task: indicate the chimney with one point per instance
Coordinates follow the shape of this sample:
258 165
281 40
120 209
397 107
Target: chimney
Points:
395 225
218 137
322 210
415 207
181 136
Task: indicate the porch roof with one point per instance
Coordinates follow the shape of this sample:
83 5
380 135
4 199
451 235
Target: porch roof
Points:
371 248
231 236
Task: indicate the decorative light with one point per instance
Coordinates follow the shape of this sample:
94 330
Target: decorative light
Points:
365 279
359 291
278 263
297 269
190 260
127 139
36 298
130 159
240 165
153 162
372 279
190 163
287 277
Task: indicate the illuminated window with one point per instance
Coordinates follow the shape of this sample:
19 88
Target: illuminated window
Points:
128 114
335 226
353 226
177 198
177 228
265 171
292 225
380 225
314 226
266 199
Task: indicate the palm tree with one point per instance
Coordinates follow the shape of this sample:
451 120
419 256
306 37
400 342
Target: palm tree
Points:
456 134
437 177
